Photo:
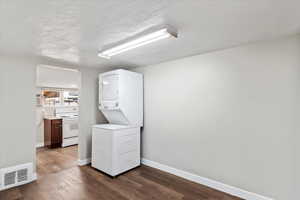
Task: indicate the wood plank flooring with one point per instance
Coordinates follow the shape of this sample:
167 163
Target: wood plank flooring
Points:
59 178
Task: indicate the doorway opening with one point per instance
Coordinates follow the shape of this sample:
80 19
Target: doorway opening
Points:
57 119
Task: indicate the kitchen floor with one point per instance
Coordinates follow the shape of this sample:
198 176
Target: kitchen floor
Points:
59 178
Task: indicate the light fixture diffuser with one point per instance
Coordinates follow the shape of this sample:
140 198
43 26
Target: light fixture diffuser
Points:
140 41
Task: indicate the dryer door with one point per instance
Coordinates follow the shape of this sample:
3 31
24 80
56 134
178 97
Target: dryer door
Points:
110 87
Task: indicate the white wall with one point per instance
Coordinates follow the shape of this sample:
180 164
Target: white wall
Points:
88 111
296 152
17 108
230 116
39 126
39 116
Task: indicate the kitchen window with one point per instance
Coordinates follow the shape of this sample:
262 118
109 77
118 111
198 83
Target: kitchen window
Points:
56 97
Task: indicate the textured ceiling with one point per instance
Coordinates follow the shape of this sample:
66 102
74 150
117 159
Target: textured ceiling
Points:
72 31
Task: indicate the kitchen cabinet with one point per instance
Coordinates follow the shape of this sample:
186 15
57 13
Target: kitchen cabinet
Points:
53 133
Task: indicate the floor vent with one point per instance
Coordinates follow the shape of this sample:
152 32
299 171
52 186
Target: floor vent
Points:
15 176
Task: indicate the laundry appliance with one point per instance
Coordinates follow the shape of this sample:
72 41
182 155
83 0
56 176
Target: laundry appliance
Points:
116 145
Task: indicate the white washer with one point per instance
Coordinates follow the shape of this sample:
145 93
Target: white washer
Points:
115 148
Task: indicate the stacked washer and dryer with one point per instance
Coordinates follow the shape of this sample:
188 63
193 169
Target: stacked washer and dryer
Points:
116 145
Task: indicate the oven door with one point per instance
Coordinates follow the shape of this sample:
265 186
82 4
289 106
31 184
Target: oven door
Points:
70 127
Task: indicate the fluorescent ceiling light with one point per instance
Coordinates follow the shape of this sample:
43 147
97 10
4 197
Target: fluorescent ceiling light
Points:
141 41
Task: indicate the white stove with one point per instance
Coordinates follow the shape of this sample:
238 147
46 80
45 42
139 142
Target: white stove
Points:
69 115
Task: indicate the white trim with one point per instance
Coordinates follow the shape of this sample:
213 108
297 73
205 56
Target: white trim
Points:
39 145
84 161
34 177
207 182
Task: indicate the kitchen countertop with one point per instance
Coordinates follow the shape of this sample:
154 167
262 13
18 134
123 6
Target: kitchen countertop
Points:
52 118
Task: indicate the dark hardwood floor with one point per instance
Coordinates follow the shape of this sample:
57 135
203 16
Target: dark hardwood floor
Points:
59 178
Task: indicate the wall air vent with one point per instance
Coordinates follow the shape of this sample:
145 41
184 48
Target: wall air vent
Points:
22 175
9 178
15 176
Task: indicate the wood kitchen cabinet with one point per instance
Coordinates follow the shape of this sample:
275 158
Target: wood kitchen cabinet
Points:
52 133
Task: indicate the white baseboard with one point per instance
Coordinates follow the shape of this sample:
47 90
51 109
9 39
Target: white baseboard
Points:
207 182
38 145
84 162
